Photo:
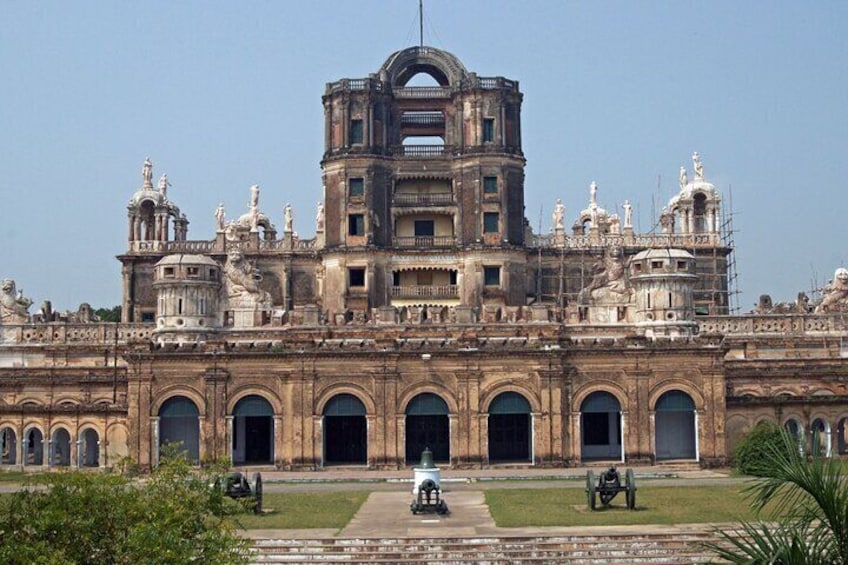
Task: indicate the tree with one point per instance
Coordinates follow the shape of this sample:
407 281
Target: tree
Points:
750 455
808 498
109 314
104 519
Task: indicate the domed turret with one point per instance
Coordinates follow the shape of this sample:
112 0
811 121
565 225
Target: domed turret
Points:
187 287
663 282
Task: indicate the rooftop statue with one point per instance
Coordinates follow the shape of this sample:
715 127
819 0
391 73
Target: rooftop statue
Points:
628 214
609 285
684 180
835 297
559 214
593 194
220 218
243 280
147 173
13 306
698 166
319 217
163 186
287 213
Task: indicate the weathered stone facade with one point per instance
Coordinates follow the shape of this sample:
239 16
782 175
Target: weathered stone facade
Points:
424 312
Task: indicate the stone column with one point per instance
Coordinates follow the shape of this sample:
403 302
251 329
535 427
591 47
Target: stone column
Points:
278 440
228 440
154 443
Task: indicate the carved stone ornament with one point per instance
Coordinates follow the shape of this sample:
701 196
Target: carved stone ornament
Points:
609 285
835 297
13 306
242 282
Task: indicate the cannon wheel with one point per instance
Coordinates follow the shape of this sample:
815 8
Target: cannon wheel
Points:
442 508
630 484
257 492
590 489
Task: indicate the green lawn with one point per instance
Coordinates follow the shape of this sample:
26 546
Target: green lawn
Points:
296 511
512 508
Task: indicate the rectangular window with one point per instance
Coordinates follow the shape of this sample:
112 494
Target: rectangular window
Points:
488 130
355 224
492 276
490 222
355 131
356 187
169 272
193 272
425 227
356 277
490 185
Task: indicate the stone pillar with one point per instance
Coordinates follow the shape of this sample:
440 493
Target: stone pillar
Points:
228 440
278 440
154 443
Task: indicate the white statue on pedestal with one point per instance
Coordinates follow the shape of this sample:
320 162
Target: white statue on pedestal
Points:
684 180
220 217
287 212
628 214
147 173
698 166
319 217
254 197
593 194
163 186
13 306
559 214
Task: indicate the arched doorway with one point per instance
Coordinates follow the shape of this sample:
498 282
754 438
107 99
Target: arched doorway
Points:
8 446
427 425
179 425
675 426
600 427
61 448
842 437
509 428
821 433
345 431
796 430
34 446
253 431
90 448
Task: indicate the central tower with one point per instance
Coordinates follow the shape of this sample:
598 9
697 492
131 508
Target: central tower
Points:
423 188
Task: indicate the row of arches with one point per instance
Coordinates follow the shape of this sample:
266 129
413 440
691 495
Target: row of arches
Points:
55 451
428 424
832 439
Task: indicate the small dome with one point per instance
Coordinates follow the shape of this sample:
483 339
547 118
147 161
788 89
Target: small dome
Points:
664 253
185 259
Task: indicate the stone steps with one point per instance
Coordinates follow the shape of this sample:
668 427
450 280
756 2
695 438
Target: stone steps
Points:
573 549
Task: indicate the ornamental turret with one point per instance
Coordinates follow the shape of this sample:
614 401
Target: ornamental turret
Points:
663 281
187 289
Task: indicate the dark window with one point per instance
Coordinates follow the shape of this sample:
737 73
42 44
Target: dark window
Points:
490 185
169 272
148 316
396 278
356 224
488 130
453 277
355 131
490 222
425 227
193 272
357 187
492 276
356 276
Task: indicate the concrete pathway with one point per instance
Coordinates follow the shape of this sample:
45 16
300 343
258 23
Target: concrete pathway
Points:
386 514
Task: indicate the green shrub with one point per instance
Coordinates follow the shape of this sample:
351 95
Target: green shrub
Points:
751 453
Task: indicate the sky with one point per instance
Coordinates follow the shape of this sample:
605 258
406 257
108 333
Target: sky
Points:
223 95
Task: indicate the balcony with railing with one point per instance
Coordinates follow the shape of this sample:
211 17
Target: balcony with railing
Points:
424 241
423 199
426 291
422 92
421 151
422 120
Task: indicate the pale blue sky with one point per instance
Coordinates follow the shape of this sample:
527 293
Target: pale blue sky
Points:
222 95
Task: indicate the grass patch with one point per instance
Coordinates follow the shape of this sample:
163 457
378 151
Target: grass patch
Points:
513 508
296 511
16 476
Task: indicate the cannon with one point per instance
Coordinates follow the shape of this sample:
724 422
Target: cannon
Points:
236 486
609 485
428 499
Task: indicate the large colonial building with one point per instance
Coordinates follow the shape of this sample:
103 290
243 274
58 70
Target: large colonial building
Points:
425 312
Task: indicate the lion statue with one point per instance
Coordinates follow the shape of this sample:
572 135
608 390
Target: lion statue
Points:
242 281
13 306
835 297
